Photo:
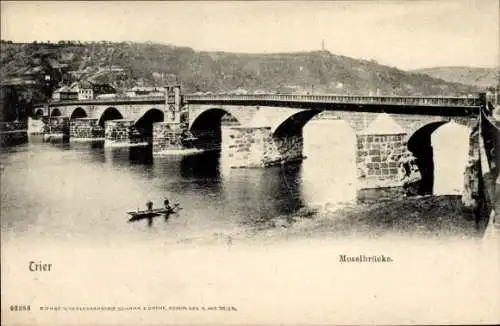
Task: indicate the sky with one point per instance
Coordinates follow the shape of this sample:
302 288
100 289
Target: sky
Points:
404 34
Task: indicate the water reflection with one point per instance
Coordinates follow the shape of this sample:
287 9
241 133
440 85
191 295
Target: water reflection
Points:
262 193
203 165
196 172
13 139
63 144
128 156
142 155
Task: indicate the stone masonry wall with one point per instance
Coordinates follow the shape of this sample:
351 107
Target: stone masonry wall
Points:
118 131
473 175
166 138
256 147
86 128
378 159
283 150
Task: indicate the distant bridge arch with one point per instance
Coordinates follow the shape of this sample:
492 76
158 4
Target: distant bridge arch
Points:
55 112
79 112
109 113
38 113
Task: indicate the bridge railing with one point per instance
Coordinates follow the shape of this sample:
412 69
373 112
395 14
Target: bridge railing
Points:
347 99
334 99
142 99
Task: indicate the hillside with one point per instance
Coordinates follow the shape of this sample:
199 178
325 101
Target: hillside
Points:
481 77
129 64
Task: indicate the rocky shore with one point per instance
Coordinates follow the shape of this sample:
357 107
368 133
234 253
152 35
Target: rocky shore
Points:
429 216
419 217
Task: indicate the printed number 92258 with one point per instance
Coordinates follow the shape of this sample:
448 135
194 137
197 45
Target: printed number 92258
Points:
20 308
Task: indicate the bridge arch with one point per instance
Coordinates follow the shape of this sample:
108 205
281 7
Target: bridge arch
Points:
440 149
147 112
213 114
206 127
78 113
38 113
144 124
55 112
110 113
293 124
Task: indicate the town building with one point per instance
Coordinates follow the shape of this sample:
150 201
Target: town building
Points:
87 90
64 93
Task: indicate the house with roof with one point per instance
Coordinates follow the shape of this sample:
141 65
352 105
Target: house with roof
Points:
64 93
87 90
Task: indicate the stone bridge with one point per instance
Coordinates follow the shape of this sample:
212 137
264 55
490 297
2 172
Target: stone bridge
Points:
393 133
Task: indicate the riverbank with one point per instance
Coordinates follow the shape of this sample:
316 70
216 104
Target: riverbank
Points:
431 216
425 218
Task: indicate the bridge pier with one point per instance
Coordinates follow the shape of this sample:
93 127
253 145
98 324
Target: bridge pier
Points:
385 167
257 147
56 128
122 133
377 158
85 129
167 137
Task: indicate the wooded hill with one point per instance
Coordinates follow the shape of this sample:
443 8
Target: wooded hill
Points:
128 64
480 77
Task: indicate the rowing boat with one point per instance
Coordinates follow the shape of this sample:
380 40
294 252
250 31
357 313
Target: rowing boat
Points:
148 214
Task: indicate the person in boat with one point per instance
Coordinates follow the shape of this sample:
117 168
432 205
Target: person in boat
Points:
166 202
149 205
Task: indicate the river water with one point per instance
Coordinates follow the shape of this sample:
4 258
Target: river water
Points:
83 190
